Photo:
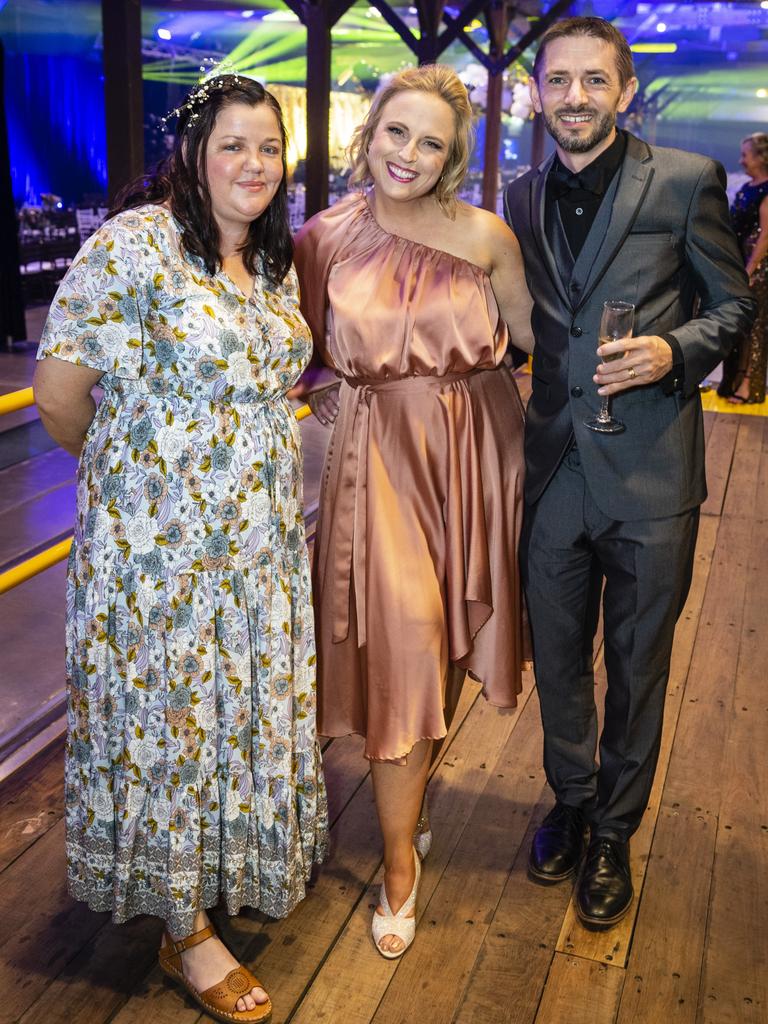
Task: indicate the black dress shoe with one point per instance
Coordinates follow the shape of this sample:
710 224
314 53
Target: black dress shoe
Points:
604 893
558 845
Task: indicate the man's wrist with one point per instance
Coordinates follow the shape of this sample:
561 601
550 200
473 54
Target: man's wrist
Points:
674 381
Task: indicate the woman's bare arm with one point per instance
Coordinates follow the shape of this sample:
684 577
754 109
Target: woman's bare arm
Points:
64 401
508 283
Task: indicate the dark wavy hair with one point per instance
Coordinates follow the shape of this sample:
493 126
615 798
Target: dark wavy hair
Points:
181 182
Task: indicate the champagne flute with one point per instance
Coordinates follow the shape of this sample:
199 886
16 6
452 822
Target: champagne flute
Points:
615 324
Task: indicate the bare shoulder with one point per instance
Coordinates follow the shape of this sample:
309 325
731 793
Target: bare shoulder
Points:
485 233
491 233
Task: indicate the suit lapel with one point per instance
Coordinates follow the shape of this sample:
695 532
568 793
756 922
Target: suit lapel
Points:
635 177
537 194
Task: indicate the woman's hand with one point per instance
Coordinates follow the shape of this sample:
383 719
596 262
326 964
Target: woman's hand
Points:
325 404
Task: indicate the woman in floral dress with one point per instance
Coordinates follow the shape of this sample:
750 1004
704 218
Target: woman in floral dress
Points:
192 765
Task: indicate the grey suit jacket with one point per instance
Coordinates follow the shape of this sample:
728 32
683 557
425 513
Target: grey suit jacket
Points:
668 243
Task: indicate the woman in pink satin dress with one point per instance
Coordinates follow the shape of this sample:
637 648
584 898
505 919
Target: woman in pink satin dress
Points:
412 297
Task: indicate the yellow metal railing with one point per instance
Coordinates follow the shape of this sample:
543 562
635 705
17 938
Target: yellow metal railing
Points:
16 400
24 571
32 566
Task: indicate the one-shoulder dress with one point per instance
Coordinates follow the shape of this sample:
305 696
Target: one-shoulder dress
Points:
415 561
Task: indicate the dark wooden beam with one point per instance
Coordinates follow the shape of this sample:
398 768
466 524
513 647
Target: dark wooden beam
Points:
430 16
12 323
497 20
428 46
536 31
319 17
455 30
501 62
319 26
396 23
123 92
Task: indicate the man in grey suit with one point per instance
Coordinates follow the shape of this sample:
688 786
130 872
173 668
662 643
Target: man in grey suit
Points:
609 217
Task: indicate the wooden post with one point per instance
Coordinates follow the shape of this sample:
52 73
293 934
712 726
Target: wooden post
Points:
123 92
492 141
317 19
12 322
497 18
537 141
430 19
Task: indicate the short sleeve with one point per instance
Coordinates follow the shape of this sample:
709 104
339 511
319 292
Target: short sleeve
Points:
96 317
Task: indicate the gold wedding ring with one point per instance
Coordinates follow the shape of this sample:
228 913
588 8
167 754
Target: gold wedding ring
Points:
631 372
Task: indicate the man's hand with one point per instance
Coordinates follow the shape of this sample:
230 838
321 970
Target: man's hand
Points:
642 361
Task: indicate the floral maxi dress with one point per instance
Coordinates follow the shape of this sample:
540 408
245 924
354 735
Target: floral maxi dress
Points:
192 765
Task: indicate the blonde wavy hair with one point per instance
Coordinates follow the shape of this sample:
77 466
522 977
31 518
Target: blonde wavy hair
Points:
435 80
759 143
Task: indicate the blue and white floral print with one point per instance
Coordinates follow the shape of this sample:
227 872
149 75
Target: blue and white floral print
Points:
192 765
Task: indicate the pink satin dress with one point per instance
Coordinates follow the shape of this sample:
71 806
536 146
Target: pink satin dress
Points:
415 561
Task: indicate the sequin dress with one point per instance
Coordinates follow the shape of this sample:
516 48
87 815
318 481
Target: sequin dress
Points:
750 359
192 765
421 504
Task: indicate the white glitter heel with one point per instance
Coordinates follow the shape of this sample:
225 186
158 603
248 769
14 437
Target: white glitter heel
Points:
398 924
422 837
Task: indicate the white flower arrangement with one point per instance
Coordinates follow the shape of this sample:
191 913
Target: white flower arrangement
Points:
521 101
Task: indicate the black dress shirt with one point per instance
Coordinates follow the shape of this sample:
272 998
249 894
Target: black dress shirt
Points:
578 197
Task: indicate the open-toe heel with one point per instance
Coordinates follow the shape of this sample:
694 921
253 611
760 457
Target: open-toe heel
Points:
399 924
422 837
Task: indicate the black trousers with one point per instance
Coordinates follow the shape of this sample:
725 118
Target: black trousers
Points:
568 548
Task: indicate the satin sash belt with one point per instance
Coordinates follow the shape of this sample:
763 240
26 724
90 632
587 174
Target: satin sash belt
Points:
350 513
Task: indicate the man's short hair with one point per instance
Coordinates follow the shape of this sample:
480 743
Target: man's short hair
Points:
597 28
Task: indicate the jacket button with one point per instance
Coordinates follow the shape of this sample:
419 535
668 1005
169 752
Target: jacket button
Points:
576 331
577 392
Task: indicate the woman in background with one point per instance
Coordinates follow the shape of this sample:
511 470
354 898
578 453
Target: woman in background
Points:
745 368
411 296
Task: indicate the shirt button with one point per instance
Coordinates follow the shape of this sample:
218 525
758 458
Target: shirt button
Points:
576 331
579 211
577 392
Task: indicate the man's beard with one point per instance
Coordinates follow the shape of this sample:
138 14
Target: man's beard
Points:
601 129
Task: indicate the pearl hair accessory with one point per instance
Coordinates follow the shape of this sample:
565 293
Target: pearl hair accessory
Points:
215 75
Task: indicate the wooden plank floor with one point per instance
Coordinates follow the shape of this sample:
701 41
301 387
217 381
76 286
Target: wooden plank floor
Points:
491 948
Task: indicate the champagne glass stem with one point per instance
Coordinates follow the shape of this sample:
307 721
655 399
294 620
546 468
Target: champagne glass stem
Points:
605 409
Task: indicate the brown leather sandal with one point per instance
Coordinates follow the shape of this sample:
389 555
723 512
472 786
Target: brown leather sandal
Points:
218 1001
